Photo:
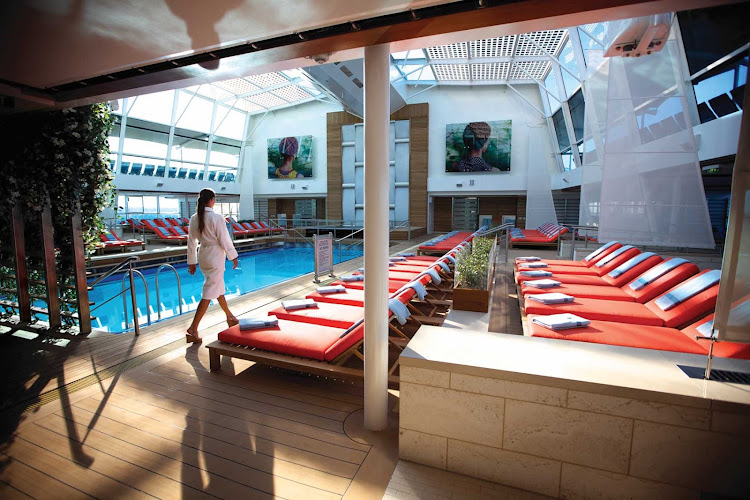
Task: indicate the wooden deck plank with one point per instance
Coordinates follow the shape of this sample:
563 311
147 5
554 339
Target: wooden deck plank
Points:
81 478
8 492
249 416
290 447
35 484
209 381
224 458
249 383
242 402
106 464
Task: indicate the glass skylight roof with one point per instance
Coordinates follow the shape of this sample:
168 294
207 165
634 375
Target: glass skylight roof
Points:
259 93
512 58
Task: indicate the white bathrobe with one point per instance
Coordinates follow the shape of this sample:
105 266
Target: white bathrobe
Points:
216 245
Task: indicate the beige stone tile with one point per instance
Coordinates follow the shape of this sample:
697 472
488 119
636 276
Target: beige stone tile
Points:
697 418
710 461
731 423
579 482
535 474
443 412
422 448
509 389
574 436
423 376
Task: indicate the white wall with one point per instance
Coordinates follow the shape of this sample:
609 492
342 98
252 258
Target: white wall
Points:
306 119
718 137
461 104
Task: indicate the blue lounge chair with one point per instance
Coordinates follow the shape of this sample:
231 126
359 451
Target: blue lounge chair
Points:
200 176
149 170
192 174
229 177
212 176
160 171
182 173
124 167
136 169
220 178
112 165
172 172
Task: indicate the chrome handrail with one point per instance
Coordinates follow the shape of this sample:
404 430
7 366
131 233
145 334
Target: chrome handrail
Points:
133 299
349 235
179 289
112 271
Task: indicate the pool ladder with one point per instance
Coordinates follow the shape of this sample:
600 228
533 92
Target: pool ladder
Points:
130 275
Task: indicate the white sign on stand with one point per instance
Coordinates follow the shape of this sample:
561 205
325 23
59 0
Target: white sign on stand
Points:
323 255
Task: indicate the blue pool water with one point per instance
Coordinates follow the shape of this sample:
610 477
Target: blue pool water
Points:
257 269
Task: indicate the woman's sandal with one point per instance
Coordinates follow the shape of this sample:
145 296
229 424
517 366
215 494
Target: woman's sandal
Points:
192 337
231 321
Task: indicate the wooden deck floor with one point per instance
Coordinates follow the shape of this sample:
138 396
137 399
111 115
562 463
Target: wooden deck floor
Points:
169 428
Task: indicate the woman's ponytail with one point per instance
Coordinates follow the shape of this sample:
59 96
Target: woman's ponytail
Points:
204 197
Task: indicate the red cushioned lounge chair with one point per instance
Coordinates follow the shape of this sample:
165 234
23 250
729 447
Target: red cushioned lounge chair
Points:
625 292
645 337
587 261
111 241
632 312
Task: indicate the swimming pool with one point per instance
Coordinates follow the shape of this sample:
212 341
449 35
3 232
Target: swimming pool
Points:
257 269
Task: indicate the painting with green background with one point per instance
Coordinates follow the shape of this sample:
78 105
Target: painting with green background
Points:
302 161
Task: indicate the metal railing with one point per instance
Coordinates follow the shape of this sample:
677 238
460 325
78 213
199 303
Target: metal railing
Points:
575 232
179 289
128 261
394 226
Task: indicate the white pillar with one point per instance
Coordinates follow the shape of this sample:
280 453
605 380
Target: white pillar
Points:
377 123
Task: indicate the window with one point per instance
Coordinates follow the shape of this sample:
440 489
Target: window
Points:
577 111
551 83
720 92
568 61
155 107
561 131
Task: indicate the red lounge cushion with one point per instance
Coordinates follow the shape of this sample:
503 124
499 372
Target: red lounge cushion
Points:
559 270
582 291
689 310
604 310
424 258
622 334
633 273
326 314
721 349
570 279
291 337
662 284
352 297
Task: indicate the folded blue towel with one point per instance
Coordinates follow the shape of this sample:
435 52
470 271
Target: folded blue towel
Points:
397 259
536 274
530 258
351 328
542 283
561 321
418 288
399 310
598 251
445 266
433 274
352 277
406 254
451 258
291 305
655 273
609 258
551 298
324 290
690 288
391 264
256 323
532 265
630 264
361 270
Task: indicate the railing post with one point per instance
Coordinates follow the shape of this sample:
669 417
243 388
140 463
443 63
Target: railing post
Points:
133 300
507 241
50 269
22 274
79 266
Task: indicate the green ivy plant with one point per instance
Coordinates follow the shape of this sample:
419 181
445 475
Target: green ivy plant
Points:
61 156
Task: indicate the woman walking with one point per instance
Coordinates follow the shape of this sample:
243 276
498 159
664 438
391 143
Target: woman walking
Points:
210 229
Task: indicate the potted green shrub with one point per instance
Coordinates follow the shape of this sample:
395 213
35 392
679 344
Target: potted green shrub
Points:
474 276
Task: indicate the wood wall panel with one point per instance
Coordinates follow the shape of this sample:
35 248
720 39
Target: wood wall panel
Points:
442 208
418 116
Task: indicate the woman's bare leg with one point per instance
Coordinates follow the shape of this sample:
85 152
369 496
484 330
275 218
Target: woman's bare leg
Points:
231 320
199 312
